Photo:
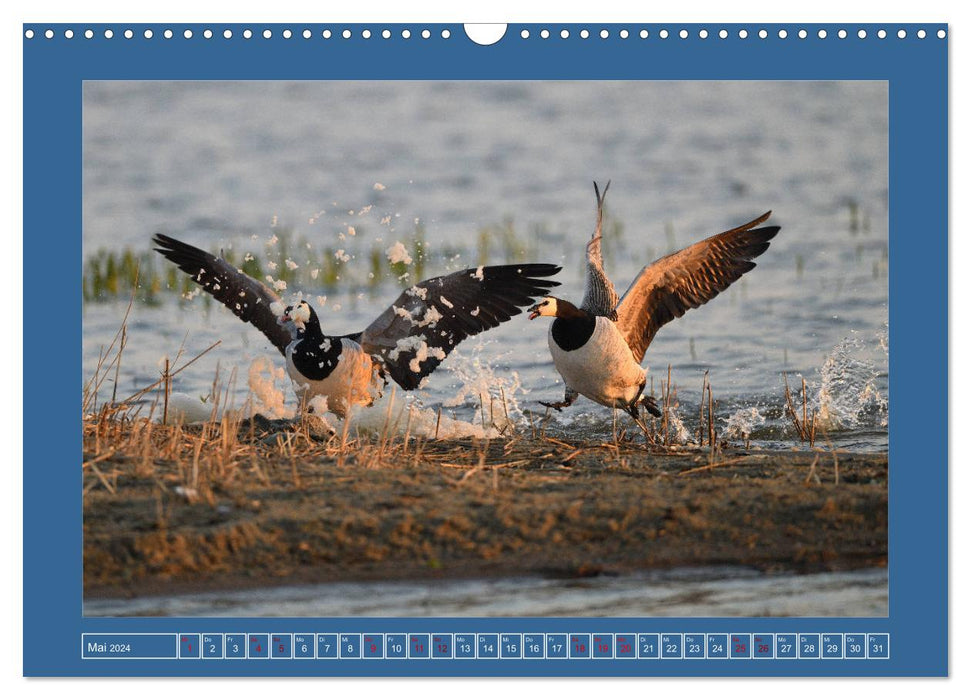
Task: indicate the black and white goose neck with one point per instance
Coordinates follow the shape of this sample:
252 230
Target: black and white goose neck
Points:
314 354
572 327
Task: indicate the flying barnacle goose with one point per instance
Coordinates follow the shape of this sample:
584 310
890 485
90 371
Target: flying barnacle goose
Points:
598 348
406 342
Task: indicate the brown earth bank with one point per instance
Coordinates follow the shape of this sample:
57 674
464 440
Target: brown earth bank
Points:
170 510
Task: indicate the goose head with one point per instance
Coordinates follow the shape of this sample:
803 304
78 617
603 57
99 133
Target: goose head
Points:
544 307
300 315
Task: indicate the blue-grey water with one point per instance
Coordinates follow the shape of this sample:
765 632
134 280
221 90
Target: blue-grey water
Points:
238 165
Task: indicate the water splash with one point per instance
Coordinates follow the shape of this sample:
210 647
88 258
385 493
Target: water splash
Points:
676 427
742 423
479 384
268 387
849 392
187 409
400 412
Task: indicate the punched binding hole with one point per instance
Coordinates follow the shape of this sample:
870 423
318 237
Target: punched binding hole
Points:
489 34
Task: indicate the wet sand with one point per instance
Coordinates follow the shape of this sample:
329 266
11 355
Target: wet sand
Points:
173 512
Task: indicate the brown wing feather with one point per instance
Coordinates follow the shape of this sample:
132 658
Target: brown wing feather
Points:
435 315
246 297
684 280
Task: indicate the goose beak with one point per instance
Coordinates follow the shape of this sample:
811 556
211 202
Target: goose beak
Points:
533 311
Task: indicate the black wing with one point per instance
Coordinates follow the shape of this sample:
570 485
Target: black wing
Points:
426 321
246 297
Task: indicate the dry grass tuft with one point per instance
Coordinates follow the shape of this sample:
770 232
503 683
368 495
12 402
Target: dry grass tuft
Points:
806 424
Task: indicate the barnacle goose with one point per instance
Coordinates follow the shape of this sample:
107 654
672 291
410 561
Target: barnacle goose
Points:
406 342
598 347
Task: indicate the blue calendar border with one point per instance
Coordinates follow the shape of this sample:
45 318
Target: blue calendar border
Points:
916 69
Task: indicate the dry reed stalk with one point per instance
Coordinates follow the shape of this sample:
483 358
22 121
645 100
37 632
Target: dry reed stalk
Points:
438 421
805 418
168 386
804 428
499 465
228 446
411 414
89 394
196 453
419 451
667 409
542 426
100 458
716 465
836 463
214 395
649 439
812 471
103 479
344 429
121 349
505 410
141 392
387 426
558 442
175 437
701 410
295 475
90 391
147 450
507 448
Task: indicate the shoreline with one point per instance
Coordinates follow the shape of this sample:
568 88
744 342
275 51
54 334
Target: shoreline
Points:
170 510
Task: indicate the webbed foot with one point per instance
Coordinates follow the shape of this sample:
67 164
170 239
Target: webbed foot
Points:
650 403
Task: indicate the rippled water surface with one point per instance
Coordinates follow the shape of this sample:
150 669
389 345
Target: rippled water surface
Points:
231 165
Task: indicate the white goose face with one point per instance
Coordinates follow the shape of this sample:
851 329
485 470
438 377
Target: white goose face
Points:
544 307
299 314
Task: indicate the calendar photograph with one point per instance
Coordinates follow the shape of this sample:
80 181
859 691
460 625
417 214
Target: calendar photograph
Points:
492 348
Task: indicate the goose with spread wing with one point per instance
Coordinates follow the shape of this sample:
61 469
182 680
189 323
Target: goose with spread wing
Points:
598 347
406 342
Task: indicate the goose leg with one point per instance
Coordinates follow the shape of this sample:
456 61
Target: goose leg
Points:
631 408
569 397
647 402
